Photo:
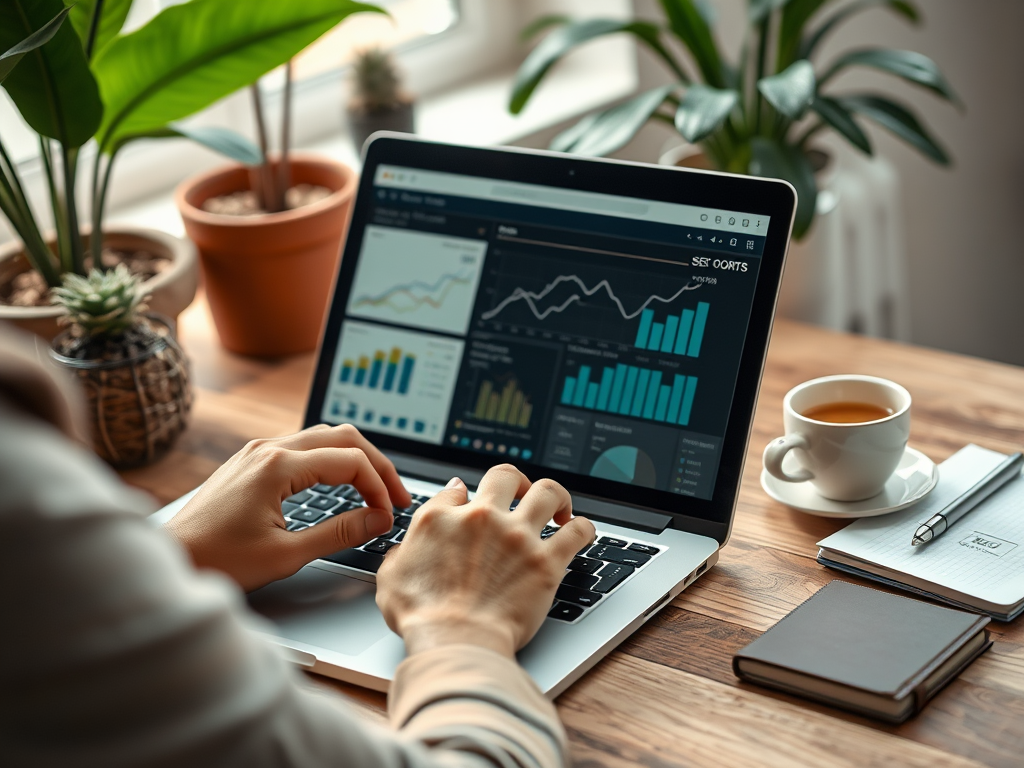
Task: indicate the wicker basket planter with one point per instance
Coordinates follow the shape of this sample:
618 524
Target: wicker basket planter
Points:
138 401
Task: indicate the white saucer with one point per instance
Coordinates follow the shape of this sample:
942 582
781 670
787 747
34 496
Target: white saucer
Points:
913 479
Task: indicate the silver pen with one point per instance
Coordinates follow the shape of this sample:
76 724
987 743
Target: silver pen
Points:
938 523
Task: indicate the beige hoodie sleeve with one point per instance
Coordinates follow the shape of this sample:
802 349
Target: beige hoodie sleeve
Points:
116 652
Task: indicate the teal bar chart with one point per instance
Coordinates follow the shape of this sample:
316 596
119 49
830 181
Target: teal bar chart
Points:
628 390
681 334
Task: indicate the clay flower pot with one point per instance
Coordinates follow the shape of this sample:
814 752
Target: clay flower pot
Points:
268 277
169 292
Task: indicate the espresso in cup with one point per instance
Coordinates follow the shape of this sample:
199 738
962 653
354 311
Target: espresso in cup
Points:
847 434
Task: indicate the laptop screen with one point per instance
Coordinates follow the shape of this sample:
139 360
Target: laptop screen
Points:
589 333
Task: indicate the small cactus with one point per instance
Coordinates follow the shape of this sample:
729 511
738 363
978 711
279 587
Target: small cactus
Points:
101 305
377 82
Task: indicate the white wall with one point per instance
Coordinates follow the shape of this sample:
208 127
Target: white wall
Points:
963 225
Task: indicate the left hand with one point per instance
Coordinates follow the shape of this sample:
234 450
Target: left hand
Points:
234 524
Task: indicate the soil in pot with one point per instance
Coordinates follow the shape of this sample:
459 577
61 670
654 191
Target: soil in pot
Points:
22 286
246 203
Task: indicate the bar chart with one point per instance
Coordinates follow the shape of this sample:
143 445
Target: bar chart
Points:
503 405
632 391
680 334
382 371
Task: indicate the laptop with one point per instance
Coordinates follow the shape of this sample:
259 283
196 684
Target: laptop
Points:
602 323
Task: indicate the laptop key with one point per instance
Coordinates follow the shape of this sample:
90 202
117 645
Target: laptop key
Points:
399 537
583 597
287 507
295 525
309 516
356 558
615 555
300 498
342 491
322 488
611 576
548 532
565 611
579 580
644 549
585 565
608 541
379 546
403 521
323 503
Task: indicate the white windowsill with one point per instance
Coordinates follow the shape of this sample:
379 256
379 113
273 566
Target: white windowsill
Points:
473 113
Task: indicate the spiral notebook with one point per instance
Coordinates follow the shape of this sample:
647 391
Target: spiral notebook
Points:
978 564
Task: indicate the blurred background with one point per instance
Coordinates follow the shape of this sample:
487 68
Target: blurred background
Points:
946 271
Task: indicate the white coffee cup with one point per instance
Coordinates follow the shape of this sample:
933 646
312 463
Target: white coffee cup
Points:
843 461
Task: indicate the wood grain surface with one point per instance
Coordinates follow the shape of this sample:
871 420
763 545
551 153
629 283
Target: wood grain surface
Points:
667 696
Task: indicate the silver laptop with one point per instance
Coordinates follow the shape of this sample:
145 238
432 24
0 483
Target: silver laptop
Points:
598 322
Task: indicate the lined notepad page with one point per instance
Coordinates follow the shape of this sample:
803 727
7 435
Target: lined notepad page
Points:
980 555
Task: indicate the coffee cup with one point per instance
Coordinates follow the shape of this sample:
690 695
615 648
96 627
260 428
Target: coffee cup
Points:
847 434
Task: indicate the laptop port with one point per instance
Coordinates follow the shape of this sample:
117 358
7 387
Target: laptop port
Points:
658 604
699 571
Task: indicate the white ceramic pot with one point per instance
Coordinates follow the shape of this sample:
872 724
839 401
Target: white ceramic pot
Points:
169 292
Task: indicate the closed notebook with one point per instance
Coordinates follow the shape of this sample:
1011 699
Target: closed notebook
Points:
873 653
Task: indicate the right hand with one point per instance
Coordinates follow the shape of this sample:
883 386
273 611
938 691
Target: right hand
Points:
474 572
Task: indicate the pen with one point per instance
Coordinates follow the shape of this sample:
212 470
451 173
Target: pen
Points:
938 523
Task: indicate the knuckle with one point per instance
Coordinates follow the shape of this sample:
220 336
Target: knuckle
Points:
549 486
348 431
515 539
343 532
478 516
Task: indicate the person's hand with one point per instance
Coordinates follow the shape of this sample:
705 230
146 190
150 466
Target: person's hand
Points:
234 524
474 572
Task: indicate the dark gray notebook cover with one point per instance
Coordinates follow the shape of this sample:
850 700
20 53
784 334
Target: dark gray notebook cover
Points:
870 640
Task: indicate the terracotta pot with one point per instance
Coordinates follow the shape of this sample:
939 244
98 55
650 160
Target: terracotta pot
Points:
268 277
170 291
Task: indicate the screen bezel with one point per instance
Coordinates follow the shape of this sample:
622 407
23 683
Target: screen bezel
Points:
756 196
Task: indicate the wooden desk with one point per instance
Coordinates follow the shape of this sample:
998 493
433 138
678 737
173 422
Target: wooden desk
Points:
668 696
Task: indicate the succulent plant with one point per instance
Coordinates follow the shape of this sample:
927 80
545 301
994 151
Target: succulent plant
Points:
378 84
101 305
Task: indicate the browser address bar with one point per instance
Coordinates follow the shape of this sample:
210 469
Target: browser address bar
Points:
569 200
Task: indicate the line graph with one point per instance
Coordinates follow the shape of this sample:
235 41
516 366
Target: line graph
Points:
419 279
531 298
408 297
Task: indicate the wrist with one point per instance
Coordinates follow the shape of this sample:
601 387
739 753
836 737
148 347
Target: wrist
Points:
426 633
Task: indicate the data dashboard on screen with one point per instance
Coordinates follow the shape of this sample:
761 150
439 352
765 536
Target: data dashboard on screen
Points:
590 333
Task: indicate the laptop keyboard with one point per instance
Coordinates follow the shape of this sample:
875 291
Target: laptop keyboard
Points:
595 573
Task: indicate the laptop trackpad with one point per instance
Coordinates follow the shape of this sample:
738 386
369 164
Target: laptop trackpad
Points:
323 609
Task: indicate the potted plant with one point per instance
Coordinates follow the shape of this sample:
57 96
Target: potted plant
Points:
758 115
378 102
81 81
269 238
133 373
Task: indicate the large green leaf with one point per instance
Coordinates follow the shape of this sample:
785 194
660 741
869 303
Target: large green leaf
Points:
688 24
224 141
811 41
792 90
37 39
563 39
702 110
772 159
112 16
841 119
52 85
795 16
910 65
191 55
612 129
899 120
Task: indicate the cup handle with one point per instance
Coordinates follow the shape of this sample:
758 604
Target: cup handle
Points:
776 451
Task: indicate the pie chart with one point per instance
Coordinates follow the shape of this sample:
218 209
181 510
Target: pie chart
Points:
625 464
